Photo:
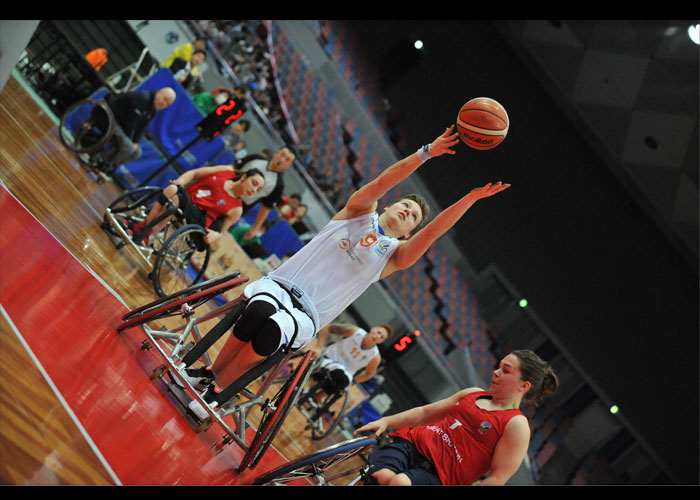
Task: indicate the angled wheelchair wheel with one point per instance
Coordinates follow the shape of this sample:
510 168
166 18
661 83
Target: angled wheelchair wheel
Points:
181 261
131 207
329 414
87 126
193 296
275 413
318 467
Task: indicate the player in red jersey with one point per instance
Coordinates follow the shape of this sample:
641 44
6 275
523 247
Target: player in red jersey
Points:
212 198
459 439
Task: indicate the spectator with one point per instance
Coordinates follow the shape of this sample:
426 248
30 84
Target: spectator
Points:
207 102
133 111
271 194
97 58
186 72
185 51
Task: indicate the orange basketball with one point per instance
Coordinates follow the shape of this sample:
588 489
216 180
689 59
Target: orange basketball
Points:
482 123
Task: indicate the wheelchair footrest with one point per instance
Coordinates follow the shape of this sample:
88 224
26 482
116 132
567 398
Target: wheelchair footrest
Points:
181 397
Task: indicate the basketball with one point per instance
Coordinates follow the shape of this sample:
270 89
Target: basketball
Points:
482 123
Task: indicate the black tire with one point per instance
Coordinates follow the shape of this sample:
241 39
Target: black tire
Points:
194 296
73 127
181 261
271 422
319 430
130 208
315 464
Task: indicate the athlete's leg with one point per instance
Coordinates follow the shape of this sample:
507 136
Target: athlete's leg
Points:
169 193
384 476
267 323
245 359
400 480
227 354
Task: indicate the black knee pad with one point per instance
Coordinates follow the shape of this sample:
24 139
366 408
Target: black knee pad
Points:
267 340
331 381
252 319
162 199
340 379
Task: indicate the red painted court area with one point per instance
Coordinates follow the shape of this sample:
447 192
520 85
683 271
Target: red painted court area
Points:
66 316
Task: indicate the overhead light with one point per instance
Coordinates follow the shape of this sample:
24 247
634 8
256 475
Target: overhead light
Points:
693 33
418 44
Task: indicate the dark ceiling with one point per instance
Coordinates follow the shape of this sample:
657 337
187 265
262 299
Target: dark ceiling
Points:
599 230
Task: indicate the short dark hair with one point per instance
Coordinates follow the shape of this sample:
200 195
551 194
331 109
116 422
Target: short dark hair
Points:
388 328
245 124
424 208
249 173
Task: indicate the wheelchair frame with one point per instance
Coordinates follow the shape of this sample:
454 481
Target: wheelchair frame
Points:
135 209
314 466
315 413
274 409
71 138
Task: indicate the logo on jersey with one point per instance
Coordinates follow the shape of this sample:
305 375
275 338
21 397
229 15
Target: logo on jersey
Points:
382 247
344 243
485 427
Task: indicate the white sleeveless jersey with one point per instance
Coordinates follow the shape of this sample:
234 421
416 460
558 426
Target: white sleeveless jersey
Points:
336 266
350 354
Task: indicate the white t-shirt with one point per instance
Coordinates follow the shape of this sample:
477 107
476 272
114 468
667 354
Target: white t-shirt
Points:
270 180
336 266
349 354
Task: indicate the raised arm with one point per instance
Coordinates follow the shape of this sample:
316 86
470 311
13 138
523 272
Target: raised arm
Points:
364 200
199 173
344 329
412 249
421 415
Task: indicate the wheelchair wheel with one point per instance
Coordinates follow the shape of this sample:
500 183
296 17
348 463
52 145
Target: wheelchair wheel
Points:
131 207
87 126
279 407
315 467
181 261
193 296
328 415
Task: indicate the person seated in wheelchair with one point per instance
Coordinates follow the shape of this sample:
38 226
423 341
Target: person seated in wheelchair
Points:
341 360
461 439
358 247
133 112
208 196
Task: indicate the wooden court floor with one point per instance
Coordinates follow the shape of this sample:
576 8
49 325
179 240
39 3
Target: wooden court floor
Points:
41 437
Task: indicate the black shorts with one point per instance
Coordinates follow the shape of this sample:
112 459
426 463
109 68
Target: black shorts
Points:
194 215
402 457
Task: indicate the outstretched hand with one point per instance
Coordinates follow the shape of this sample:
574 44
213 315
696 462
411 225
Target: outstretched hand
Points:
488 190
377 428
444 143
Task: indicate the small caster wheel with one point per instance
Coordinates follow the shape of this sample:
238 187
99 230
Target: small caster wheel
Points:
145 345
157 373
204 426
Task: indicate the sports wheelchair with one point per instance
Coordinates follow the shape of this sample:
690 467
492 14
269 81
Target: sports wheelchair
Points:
239 400
177 257
322 467
322 410
86 127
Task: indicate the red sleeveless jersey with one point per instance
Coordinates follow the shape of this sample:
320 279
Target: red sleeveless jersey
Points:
461 445
208 195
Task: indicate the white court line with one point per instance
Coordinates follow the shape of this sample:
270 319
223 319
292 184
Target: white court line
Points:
39 366
68 409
